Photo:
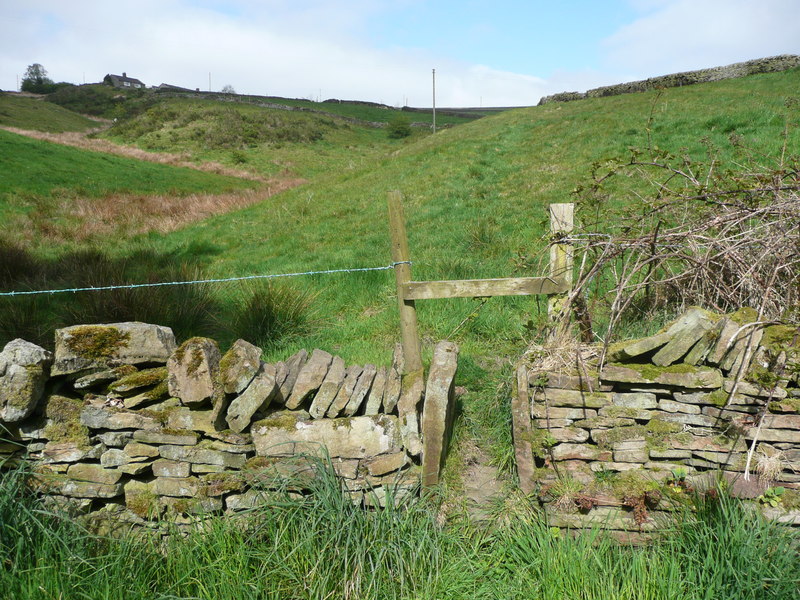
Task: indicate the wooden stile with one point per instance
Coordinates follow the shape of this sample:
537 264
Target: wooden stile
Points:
556 286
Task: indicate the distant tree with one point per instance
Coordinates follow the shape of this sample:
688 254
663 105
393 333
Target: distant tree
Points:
228 89
399 127
36 80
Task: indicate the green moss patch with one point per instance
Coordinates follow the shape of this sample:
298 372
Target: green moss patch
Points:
96 342
140 379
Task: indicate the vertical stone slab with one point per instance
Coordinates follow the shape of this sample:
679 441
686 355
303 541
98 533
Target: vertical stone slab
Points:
437 413
361 390
412 389
238 366
310 378
727 329
24 369
345 391
257 396
522 429
289 374
684 333
375 397
193 370
393 381
329 388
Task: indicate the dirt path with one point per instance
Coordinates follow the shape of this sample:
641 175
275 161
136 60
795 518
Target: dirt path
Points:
482 488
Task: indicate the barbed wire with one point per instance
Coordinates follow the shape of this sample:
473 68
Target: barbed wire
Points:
199 281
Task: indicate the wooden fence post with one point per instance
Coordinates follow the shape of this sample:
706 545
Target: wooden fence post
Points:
561 254
402 274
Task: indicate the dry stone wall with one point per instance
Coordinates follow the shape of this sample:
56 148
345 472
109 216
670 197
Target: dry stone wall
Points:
750 67
624 445
122 422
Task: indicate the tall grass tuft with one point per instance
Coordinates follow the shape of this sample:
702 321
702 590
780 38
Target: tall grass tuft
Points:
269 313
320 545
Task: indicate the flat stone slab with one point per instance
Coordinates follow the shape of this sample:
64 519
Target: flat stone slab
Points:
287 376
94 473
631 349
351 375
580 451
171 468
355 437
639 400
186 438
391 396
83 347
574 398
105 417
681 375
205 456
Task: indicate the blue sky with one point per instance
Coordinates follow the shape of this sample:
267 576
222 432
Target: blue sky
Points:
501 53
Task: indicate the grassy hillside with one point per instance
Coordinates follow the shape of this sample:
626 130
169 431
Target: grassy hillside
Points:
476 200
34 113
476 204
263 140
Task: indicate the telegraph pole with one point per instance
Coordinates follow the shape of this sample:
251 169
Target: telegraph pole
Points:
434 100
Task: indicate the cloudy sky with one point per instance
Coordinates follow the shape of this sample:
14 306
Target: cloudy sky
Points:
500 53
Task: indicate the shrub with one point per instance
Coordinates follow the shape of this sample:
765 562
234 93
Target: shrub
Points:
398 127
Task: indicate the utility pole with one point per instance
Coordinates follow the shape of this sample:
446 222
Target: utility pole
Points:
434 100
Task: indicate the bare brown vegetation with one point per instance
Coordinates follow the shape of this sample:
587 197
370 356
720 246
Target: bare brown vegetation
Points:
80 219
707 235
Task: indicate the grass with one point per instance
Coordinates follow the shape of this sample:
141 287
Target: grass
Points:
35 167
321 546
34 113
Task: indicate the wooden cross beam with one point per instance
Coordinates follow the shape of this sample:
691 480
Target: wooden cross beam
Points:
556 285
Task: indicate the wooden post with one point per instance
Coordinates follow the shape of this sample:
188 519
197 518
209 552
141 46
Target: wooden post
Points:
561 254
402 274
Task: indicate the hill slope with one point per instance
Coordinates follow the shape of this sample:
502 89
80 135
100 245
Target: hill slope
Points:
27 112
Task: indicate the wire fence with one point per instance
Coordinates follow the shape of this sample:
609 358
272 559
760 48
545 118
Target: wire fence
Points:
200 281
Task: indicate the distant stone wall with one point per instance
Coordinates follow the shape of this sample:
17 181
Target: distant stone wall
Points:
624 446
122 424
751 67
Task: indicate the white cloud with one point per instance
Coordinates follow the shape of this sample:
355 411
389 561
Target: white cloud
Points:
306 49
319 48
679 35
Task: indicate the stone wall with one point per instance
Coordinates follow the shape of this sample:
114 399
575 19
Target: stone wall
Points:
121 421
624 445
751 67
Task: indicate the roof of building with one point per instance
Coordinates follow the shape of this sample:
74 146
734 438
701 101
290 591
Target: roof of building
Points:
121 80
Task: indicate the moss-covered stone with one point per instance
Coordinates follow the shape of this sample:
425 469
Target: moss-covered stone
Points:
140 379
659 427
609 437
743 316
96 342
